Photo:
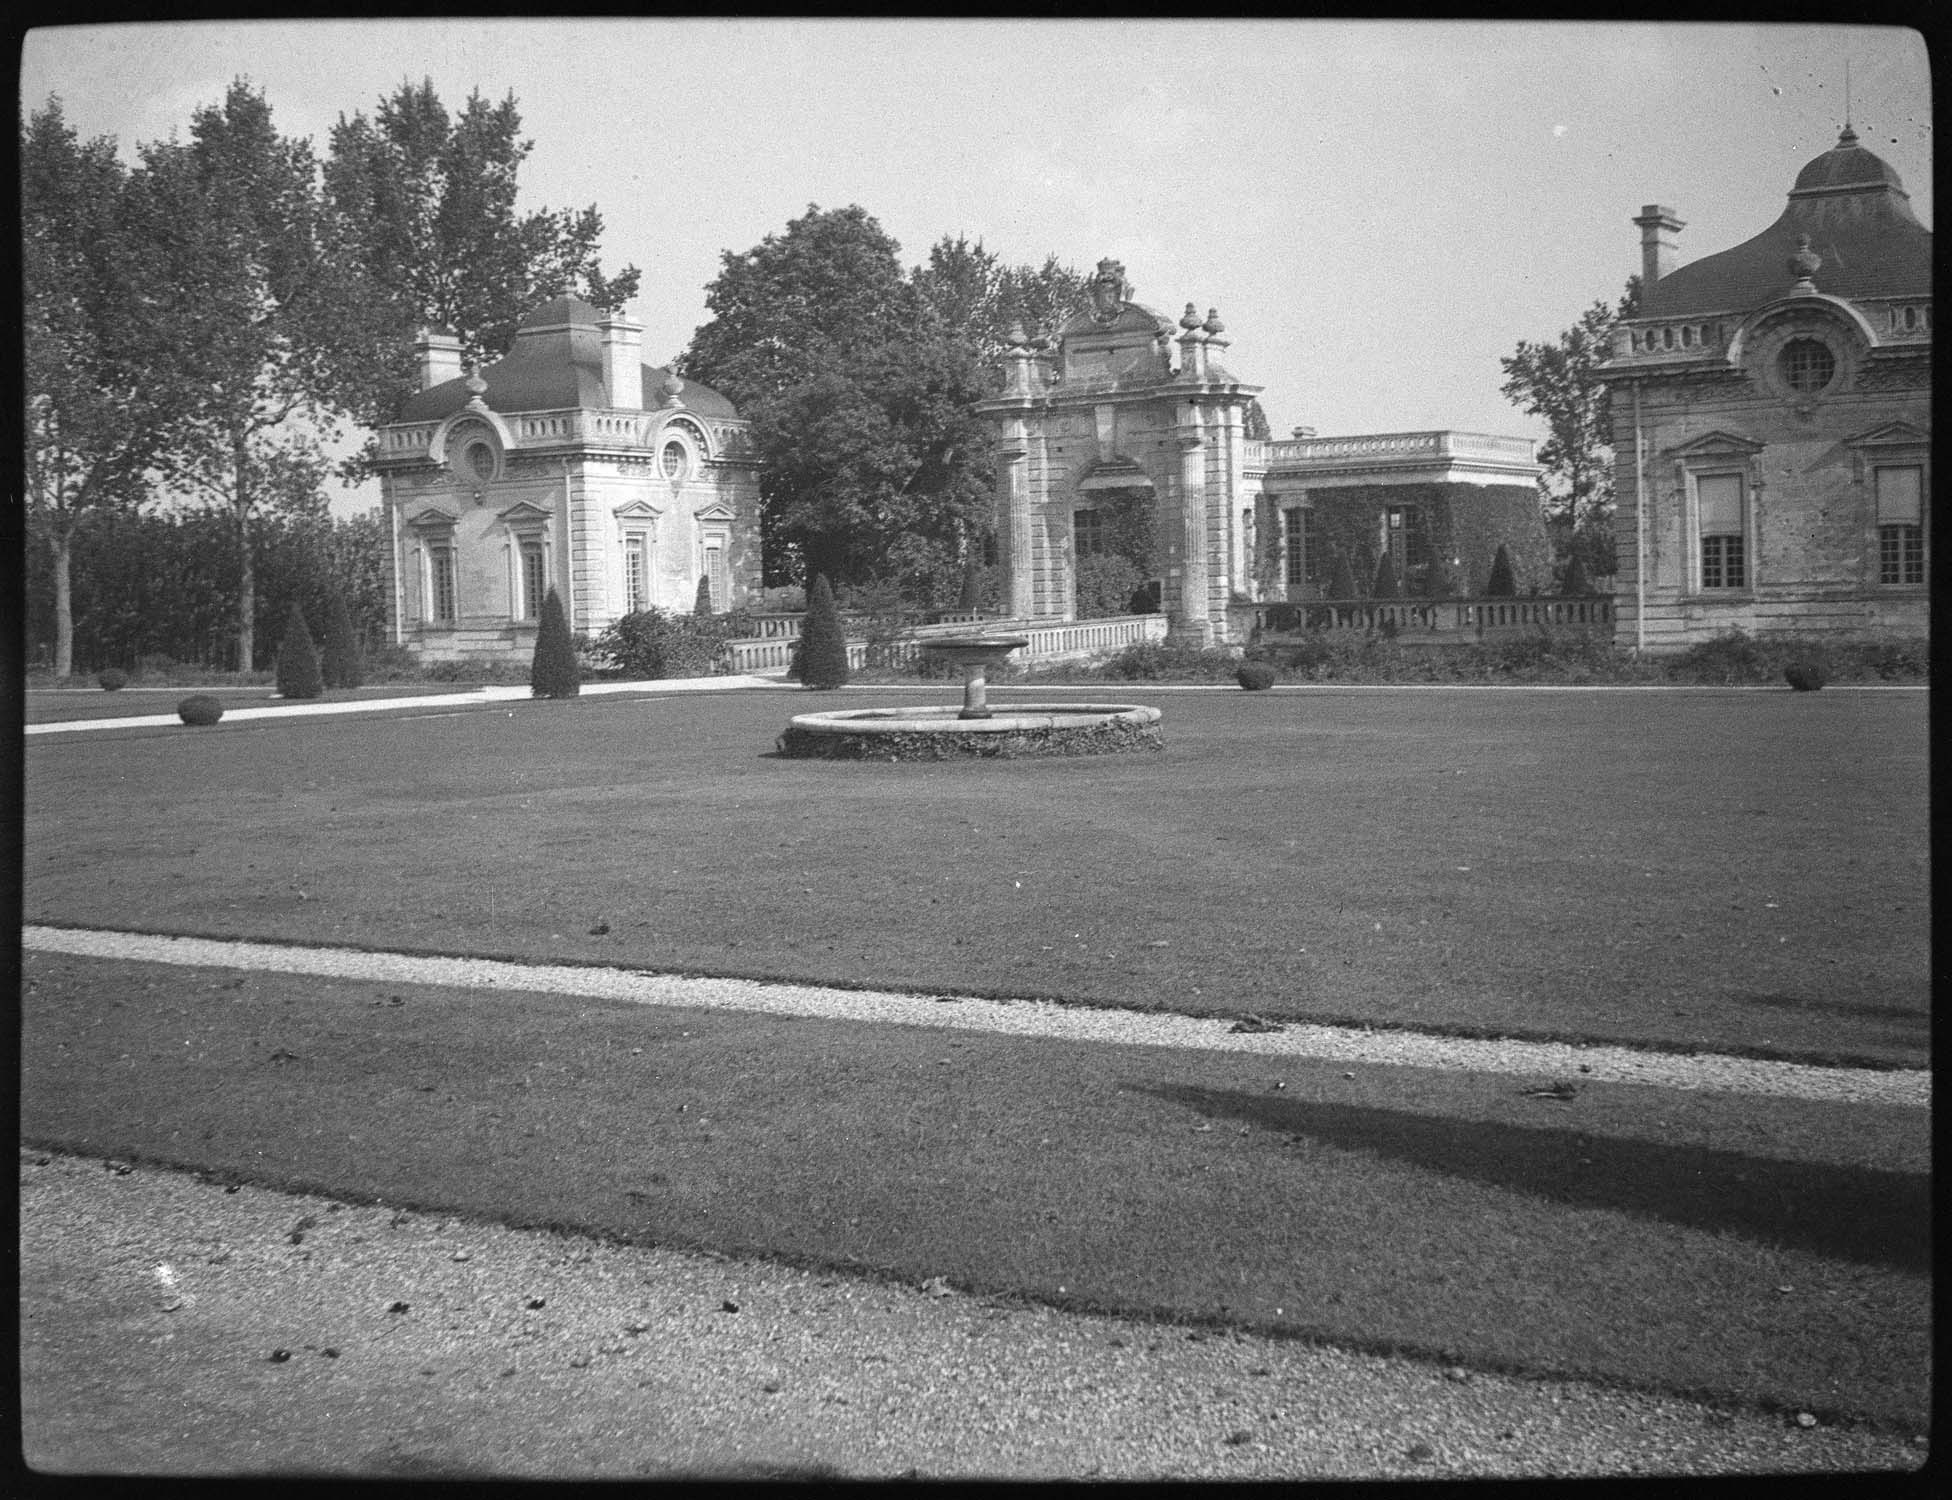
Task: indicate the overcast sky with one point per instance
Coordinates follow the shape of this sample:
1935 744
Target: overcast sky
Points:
1379 210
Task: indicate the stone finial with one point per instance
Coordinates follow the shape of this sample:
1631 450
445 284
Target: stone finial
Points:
1017 337
477 388
1848 138
1109 290
1213 325
1805 263
1190 319
672 388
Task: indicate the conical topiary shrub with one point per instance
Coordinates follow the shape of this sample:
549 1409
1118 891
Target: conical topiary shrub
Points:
339 662
1501 585
823 644
1386 586
1342 582
1576 581
555 673
702 605
298 660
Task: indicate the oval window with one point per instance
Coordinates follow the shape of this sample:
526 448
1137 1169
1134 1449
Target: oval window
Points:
675 459
480 459
1808 366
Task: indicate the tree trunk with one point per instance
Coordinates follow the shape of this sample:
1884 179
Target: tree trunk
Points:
61 544
247 578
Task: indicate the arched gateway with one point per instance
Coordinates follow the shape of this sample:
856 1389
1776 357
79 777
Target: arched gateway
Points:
1119 463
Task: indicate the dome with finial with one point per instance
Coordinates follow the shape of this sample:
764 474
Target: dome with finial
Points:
555 364
1852 210
1846 165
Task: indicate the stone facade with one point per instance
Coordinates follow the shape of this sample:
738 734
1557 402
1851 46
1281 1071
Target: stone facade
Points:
568 464
1127 435
1772 421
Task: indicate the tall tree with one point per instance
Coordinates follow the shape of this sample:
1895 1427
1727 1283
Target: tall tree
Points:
426 205
94 417
259 317
1557 381
799 304
861 383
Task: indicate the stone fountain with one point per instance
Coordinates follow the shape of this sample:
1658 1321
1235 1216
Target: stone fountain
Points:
1019 730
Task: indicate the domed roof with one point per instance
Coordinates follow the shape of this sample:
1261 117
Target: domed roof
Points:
556 364
1858 218
1846 165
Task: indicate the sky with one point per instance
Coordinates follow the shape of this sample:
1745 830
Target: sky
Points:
1378 210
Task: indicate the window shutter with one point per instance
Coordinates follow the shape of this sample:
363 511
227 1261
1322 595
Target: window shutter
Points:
1898 496
1718 498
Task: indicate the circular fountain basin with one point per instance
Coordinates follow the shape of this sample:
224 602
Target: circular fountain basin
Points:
1013 731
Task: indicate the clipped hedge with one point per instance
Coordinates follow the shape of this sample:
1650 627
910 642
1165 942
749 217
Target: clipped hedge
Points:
1256 676
199 708
113 680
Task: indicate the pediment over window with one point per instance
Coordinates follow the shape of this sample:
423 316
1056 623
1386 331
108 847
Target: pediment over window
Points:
433 519
718 510
1890 435
637 510
524 513
1717 445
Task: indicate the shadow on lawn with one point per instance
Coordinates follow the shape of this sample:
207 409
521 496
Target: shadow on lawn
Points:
1866 1214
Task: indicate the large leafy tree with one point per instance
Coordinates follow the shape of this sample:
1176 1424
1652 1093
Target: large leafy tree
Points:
1558 381
94 416
425 204
259 315
861 382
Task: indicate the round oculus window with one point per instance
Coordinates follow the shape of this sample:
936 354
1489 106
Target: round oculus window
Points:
1807 365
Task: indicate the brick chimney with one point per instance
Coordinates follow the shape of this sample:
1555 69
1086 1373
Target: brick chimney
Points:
623 364
1658 226
440 357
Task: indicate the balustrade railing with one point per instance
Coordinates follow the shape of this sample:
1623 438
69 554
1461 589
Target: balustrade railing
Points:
772 649
1433 618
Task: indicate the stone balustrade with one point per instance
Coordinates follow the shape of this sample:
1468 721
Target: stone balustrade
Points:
773 652
1433 618
1383 446
1692 338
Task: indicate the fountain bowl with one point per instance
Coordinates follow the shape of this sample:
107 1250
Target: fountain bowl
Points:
1015 731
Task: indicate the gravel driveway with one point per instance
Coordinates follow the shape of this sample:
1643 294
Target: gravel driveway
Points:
171 1325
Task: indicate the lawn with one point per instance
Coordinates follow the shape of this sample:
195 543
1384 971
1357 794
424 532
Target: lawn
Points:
1766 1250
1732 870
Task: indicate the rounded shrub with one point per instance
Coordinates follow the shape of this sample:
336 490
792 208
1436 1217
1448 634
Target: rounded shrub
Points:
555 672
823 644
1255 676
298 660
113 680
199 708
1804 676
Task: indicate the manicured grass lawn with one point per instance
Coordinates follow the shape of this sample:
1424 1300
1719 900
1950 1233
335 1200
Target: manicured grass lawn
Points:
1771 1250
1741 870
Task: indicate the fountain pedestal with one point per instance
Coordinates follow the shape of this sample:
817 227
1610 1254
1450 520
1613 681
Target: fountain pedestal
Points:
975 654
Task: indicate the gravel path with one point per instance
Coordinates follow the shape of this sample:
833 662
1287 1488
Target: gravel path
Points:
175 1326
1908 1087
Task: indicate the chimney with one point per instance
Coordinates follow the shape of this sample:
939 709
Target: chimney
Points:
440 357
1658 226
623 365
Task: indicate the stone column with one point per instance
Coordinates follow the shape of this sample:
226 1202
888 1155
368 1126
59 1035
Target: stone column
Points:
1013 518
1193 621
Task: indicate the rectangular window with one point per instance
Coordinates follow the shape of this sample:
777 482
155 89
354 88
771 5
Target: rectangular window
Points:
637 573
1718 511
440 584
533 581
720 580
1088 529
1900 525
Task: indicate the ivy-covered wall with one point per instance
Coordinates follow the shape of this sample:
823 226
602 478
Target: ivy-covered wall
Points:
1466 522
